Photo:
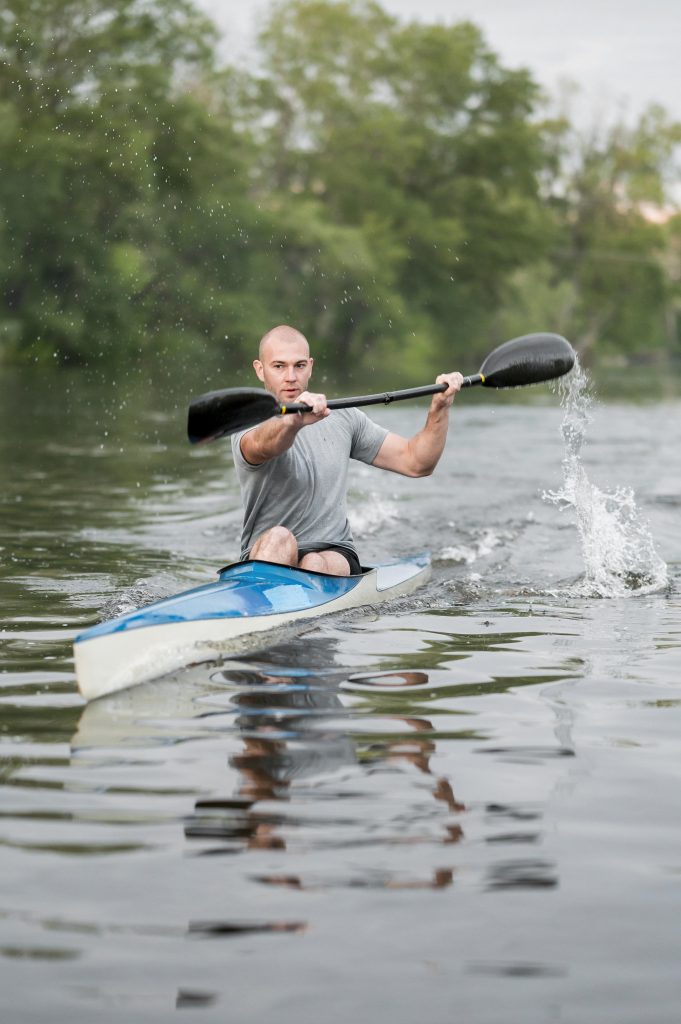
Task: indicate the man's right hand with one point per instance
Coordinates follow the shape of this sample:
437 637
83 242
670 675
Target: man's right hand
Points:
276 435
317 404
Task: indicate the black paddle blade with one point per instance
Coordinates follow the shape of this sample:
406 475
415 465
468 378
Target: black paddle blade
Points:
528 360
218 413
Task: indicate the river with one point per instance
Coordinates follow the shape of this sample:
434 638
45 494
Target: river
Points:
463 806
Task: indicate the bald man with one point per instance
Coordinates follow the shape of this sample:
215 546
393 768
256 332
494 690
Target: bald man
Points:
293 469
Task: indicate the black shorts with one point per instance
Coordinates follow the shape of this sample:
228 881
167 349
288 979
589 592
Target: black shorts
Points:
347 553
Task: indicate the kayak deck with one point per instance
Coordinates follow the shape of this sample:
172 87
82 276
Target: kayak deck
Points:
197 625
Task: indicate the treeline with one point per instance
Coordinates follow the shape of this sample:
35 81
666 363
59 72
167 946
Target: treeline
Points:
391 188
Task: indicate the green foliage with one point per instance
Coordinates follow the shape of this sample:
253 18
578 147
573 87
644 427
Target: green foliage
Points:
416 136
389 187
108 146
612 244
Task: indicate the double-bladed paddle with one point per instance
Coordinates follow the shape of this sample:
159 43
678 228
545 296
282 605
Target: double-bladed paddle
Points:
528 360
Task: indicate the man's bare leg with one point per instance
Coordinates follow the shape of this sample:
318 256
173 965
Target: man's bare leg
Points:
276 545
279 545
331 562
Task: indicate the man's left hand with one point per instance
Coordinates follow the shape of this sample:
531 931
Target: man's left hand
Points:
443 399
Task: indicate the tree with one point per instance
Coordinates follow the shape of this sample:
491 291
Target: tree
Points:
416 138
390 187
104 150
612 197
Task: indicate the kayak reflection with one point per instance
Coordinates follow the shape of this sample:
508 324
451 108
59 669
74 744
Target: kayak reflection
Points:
312 750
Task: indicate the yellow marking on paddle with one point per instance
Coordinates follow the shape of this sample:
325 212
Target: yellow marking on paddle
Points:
482 378
282 410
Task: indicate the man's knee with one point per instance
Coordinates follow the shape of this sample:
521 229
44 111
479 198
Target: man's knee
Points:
331 562
276 545
277 535
312 561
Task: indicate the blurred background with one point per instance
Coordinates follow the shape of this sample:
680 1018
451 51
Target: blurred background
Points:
405 184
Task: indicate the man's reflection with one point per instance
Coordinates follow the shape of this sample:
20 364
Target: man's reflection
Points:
281 744
281 723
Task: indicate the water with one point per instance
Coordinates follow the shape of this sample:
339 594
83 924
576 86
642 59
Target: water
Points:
463 806
618 548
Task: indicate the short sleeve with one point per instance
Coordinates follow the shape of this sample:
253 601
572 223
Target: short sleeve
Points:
367 438
239 460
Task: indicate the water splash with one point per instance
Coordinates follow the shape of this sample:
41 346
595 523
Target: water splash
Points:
372 516
139 594
481 545
617 547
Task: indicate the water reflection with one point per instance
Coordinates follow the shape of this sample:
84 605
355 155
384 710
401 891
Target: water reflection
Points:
295 728
307 742
467 808
191 1000
318 769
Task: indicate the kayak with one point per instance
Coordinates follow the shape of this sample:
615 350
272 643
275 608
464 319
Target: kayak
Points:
249 599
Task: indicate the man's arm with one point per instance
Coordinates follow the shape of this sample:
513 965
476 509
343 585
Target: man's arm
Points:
420 454
276 435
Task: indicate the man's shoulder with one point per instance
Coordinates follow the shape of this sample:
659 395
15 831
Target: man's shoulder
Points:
364 434
349 417
350 423
338 420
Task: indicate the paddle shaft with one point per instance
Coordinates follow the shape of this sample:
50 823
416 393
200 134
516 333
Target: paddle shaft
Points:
383 399
532 359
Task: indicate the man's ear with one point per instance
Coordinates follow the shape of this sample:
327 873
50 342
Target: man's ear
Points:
311 362
259 371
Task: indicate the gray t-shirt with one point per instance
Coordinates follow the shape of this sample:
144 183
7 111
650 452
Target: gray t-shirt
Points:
304 488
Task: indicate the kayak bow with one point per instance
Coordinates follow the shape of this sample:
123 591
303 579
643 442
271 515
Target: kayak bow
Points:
206 622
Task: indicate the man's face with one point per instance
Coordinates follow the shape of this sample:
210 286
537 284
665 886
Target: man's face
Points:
285 368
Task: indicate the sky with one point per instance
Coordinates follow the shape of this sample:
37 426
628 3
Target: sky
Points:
623 54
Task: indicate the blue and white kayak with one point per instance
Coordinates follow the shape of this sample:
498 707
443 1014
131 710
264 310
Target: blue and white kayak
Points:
209 621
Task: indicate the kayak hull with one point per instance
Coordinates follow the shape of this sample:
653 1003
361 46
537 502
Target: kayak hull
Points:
248 600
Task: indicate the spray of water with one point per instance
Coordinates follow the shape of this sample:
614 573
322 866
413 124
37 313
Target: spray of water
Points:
617 547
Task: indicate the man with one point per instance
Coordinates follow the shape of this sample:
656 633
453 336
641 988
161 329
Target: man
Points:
293 469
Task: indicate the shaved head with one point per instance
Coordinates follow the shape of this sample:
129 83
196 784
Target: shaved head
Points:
284 364
282 333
